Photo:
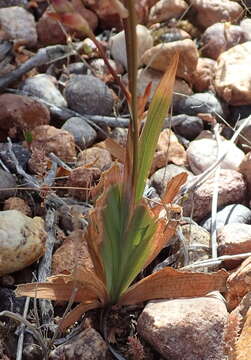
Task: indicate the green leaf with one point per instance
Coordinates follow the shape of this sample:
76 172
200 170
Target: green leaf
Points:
155 119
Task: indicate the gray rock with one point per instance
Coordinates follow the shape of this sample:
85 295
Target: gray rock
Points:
43 86
234 213
77 68
9 3
87 94
205 103
7 181
22 154
239 112
162 176
188 126
83 133
19 24
185 329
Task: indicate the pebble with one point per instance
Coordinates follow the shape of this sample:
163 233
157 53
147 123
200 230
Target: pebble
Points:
220 37
232 189
202 103
117 45
87 345
185 329
22 154
7 180
245 170
23 30
245 141
234 213
95 156
210 12
161 177
245 25
185 125
82 177
89 95
202 77
9 3
84 134
234 239
44 87
78 68
16 203
173 34
50 139
164 10
101 69
22 240
159 57
230 83
21 113
203 151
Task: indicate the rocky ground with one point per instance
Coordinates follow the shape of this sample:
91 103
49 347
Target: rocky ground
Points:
57 108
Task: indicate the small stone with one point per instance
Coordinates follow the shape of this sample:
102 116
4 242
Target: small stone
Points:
22 154
161 177
117 45
173 34
164 10
232 189
87 345
203 151
22 240
234 239
244 140
89 95
44 87
23 30
245 170
220 37
120 135
184 125
95 156
7 180
201 103
231 84
234 213
21 113
202 78
16 203
50 139
83 133
246 28
77 68
82 178
185 329
101 69
159 57
210 12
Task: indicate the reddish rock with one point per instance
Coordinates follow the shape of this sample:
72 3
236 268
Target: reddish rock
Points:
202 78
50 139
95 156
245 169
83 178
21 113
167 9
16 203
185 329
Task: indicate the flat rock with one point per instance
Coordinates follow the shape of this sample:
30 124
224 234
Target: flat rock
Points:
89 95
83 133
117 45
232 189
7 180
202 78
210 12
159 57
185 329
234 213
44 87
164 10
87 345
23 30
202 153
231 84
22 240
95 156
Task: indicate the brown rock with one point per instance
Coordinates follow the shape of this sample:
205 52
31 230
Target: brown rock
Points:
232 189
85 178
245 169
159 56
233 85
234 239
239 284
210 12
88 345
220 37
16 203
21 113
50 139
185 329
203 76
166 9
95 157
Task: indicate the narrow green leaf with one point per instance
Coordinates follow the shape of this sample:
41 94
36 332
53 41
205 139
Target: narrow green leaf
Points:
155 119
